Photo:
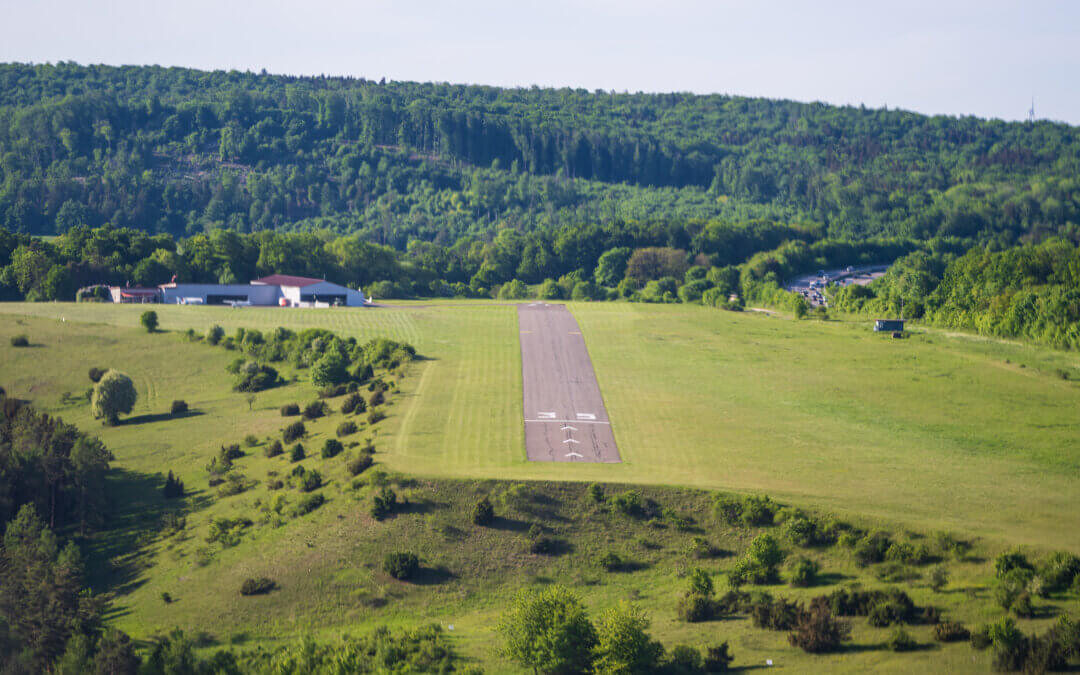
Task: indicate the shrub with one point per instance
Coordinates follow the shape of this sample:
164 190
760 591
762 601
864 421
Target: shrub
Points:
214 334
1058 571
178 407
544 545
174 487
950 631
900 640
611 561
728 509
717 658
308 503
758 511
315 410
818 631
684 659
294 431
309 481
258 586
630 503
149 320
595 493
353 403
346 428
375 416
377 399
401 566
274 484
1011 585
483 512
778 614
273 449
871 549
1006 562
255 377
333 391
251 440
360 464
113 394
804 572
695 608
383 504
290 410
939 578
331 448
96 374
701 548
296 453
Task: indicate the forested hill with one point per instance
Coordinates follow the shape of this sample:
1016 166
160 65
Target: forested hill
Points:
181 151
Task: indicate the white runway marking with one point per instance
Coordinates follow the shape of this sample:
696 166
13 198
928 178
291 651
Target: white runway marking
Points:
574 454
549 421
570 440
546 415
568 427
586 416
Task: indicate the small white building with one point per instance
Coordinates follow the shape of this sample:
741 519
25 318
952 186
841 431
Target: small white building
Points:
276 290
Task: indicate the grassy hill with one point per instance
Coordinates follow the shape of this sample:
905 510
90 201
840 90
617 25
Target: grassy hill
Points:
932 433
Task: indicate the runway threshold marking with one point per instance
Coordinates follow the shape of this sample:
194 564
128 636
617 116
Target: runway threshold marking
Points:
549 421
571 440
546 415
574 454
586 416
568 428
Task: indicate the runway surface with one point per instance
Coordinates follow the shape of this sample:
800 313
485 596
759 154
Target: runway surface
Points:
565 418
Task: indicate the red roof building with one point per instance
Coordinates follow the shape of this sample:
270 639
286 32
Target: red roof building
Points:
287 280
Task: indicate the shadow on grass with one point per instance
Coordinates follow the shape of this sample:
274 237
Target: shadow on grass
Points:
509 524
831 578
433 576
119 553
418 507
158 417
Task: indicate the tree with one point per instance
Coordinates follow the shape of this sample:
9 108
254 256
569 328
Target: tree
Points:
113 394
149 321
330 369
611 267
548 631
623 645
514 290
483 512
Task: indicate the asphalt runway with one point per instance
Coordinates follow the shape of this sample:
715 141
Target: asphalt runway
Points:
565 418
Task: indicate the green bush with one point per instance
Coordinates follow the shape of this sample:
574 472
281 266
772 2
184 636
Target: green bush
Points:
611 561
331 448
595 493
309 481
257 586
375 416
359 464
695 608
483 512
294 432
758 511
178 407
900 641
401 566
290 410
818 631
775 614
251 440
346 428
804 572
545 545
384 503
296 453
255 377
1058 571
149 320
684 659
315 410
630 503
96 374
308 503
273 449
1011 560
950 631
214 334
353 403
718 658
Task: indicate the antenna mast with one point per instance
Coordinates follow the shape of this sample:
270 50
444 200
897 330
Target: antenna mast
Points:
1031 113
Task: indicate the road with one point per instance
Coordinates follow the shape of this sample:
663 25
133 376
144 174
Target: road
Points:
860 276
565 417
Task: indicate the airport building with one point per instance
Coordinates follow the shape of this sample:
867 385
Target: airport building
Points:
276 290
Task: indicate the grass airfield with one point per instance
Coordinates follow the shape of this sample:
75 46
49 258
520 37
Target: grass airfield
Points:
930 433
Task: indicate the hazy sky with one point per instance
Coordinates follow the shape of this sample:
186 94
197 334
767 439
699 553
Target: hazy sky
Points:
985 58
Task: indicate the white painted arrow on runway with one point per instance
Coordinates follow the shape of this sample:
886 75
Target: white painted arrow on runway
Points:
568 427
574 454
570 440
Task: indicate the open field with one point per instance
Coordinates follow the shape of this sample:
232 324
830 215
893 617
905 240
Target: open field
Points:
930 433
934 431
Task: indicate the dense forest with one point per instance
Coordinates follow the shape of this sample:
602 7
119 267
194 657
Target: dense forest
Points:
448 190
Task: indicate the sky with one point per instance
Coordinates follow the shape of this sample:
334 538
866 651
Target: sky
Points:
986 58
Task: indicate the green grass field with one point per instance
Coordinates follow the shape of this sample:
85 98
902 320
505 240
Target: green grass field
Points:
929 433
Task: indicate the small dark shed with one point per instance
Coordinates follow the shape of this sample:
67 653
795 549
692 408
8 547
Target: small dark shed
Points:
888 325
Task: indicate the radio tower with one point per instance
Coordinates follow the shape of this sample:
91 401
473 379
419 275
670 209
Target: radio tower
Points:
1031 113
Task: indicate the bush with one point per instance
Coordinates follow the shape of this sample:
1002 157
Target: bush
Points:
950 631
294 431
346 428
290 410
174 487
900 640
96 374
684 659
375 416
939 578
333 391
331 448
483 512
296 453
717 658
1009 561
360 464
383 504
251 440
871 549
377 399
113 394
630 504
1059 570
700 548
595 493
778 614
611 561
315 410
694 608
308 503
758 511
401 566
804 572
353 403
257 586
309 481
149 320
255 377
544 545
273 449
818 631
178 407
214 335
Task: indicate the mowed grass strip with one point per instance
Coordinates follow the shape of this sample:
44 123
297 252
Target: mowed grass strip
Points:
943 432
